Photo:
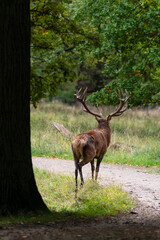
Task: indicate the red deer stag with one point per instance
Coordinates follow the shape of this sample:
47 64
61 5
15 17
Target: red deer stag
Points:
94 143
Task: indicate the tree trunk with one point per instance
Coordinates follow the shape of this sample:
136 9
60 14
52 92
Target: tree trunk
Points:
18 189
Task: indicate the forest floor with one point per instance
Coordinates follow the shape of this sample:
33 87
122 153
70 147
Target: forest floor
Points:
143 222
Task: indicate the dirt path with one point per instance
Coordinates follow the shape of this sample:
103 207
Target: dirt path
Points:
142 223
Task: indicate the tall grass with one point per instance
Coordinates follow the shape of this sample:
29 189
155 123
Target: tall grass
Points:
138 129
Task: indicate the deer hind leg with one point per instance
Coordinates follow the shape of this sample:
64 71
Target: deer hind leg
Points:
80 165
98 166
86 159
78 168
76 161
76 178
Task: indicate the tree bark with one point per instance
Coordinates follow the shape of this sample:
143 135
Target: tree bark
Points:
18 189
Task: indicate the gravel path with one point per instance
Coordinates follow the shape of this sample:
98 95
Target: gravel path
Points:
137 181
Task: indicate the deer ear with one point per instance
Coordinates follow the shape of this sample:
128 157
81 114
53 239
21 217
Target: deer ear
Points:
97 118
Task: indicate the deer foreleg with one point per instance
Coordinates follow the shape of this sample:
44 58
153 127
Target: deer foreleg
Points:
98 166
76 178
80 165
76 161
92 168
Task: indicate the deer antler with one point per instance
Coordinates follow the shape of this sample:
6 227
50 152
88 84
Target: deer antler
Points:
123 103
81 97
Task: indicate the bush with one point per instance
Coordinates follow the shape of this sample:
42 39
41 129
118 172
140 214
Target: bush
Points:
67 93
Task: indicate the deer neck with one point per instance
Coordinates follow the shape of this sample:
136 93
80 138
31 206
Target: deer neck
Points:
106 130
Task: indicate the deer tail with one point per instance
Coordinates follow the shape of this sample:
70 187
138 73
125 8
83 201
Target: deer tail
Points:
78 146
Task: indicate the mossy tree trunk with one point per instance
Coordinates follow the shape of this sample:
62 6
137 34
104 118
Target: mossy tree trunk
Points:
18 190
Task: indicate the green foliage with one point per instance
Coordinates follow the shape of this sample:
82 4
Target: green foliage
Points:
52 38
66 94
138 129
141 92
123 35
129 33
54 47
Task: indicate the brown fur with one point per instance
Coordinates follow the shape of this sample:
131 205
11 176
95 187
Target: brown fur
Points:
94 143
90 145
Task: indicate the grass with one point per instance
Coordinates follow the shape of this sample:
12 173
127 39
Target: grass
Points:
58 192
138 129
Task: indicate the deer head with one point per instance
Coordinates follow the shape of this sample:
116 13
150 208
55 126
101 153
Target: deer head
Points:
123 98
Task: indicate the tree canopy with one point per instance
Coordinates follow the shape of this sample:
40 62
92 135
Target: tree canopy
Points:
54 47
121 34
129 33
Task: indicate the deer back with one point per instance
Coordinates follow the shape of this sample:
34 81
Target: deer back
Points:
95 141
